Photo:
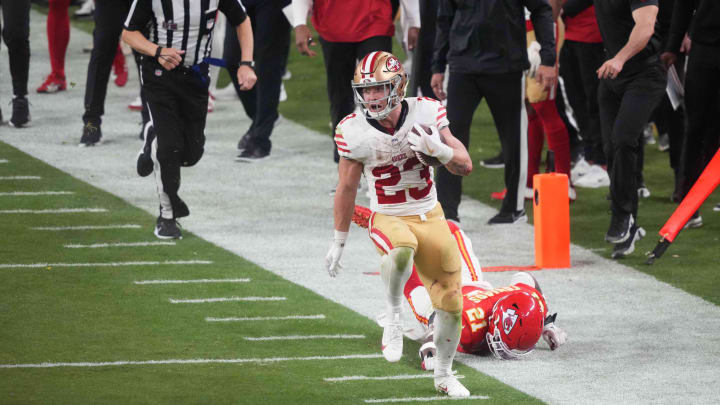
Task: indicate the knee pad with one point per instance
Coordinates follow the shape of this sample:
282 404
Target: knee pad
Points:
446 294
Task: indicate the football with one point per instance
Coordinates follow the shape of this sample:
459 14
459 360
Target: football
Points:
423 158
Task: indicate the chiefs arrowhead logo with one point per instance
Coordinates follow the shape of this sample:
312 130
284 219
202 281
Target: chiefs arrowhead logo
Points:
508 320
392 64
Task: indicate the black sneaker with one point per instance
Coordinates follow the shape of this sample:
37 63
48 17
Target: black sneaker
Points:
496 162
252 155
91 134
695 221
145 164
508 218
244 142
167 229
20 112
620 226
625 248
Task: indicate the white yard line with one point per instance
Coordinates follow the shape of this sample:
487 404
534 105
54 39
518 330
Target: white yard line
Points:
422 399
302 337
84 227
382 378
193 361
266 318
4 161
204 280
289 236
54 211
105 264
223 299
122 244
20 177
32 193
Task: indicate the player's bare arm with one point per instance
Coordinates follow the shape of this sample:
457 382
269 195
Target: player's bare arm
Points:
349 172
460 164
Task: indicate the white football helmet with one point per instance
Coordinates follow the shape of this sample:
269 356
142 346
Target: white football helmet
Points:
379 68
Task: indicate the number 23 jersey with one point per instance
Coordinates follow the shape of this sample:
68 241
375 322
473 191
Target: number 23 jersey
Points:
399 184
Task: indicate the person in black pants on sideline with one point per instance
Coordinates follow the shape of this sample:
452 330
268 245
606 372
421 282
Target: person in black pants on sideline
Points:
174 74
632 82
272 43
484 43
109 16
16 34
702 84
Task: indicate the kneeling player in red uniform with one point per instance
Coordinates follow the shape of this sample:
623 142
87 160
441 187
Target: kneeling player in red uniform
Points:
506 321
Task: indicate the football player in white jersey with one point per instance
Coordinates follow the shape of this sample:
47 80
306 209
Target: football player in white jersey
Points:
386 143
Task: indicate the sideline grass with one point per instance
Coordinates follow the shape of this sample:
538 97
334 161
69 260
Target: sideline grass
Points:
99 314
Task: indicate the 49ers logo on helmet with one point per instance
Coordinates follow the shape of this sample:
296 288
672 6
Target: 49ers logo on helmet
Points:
392 64
509 318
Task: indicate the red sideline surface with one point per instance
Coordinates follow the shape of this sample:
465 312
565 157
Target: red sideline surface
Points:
490 269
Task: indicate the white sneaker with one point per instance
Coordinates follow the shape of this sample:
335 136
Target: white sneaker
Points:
529 193
287 75
283 93
136 104
643 191
226 93
596 178
451 386
86 10
572 194
392 339
581 168
211 102
428 353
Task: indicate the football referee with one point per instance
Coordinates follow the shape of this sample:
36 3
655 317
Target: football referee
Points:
174 75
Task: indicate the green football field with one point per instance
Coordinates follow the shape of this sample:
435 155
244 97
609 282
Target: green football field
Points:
71 308
94 309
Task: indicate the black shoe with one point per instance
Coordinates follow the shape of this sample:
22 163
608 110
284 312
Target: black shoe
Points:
508 218
20 112
244 142
695 221
252 155
625 248
620 226
145 164
167 229
91 134
496 162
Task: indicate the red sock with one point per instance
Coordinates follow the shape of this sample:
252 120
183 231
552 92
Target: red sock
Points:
119 61
535 145
58 32
556 132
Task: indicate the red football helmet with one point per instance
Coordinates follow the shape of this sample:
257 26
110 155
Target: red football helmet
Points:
516 325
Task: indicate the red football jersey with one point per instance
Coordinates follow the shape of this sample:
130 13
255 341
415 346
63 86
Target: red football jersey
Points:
477 309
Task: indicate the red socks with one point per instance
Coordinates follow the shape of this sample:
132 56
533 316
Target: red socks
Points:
58 32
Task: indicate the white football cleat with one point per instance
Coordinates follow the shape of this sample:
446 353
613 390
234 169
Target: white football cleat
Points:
392 339
451 386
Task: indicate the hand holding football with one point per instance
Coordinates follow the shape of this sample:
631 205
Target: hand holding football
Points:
425 159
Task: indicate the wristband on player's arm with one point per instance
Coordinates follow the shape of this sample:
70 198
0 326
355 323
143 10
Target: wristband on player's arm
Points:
340 237
157 52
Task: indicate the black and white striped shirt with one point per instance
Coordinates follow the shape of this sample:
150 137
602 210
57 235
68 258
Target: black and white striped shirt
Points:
183 24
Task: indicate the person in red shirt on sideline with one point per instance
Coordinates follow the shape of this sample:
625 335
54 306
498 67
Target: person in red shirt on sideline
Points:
348 30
